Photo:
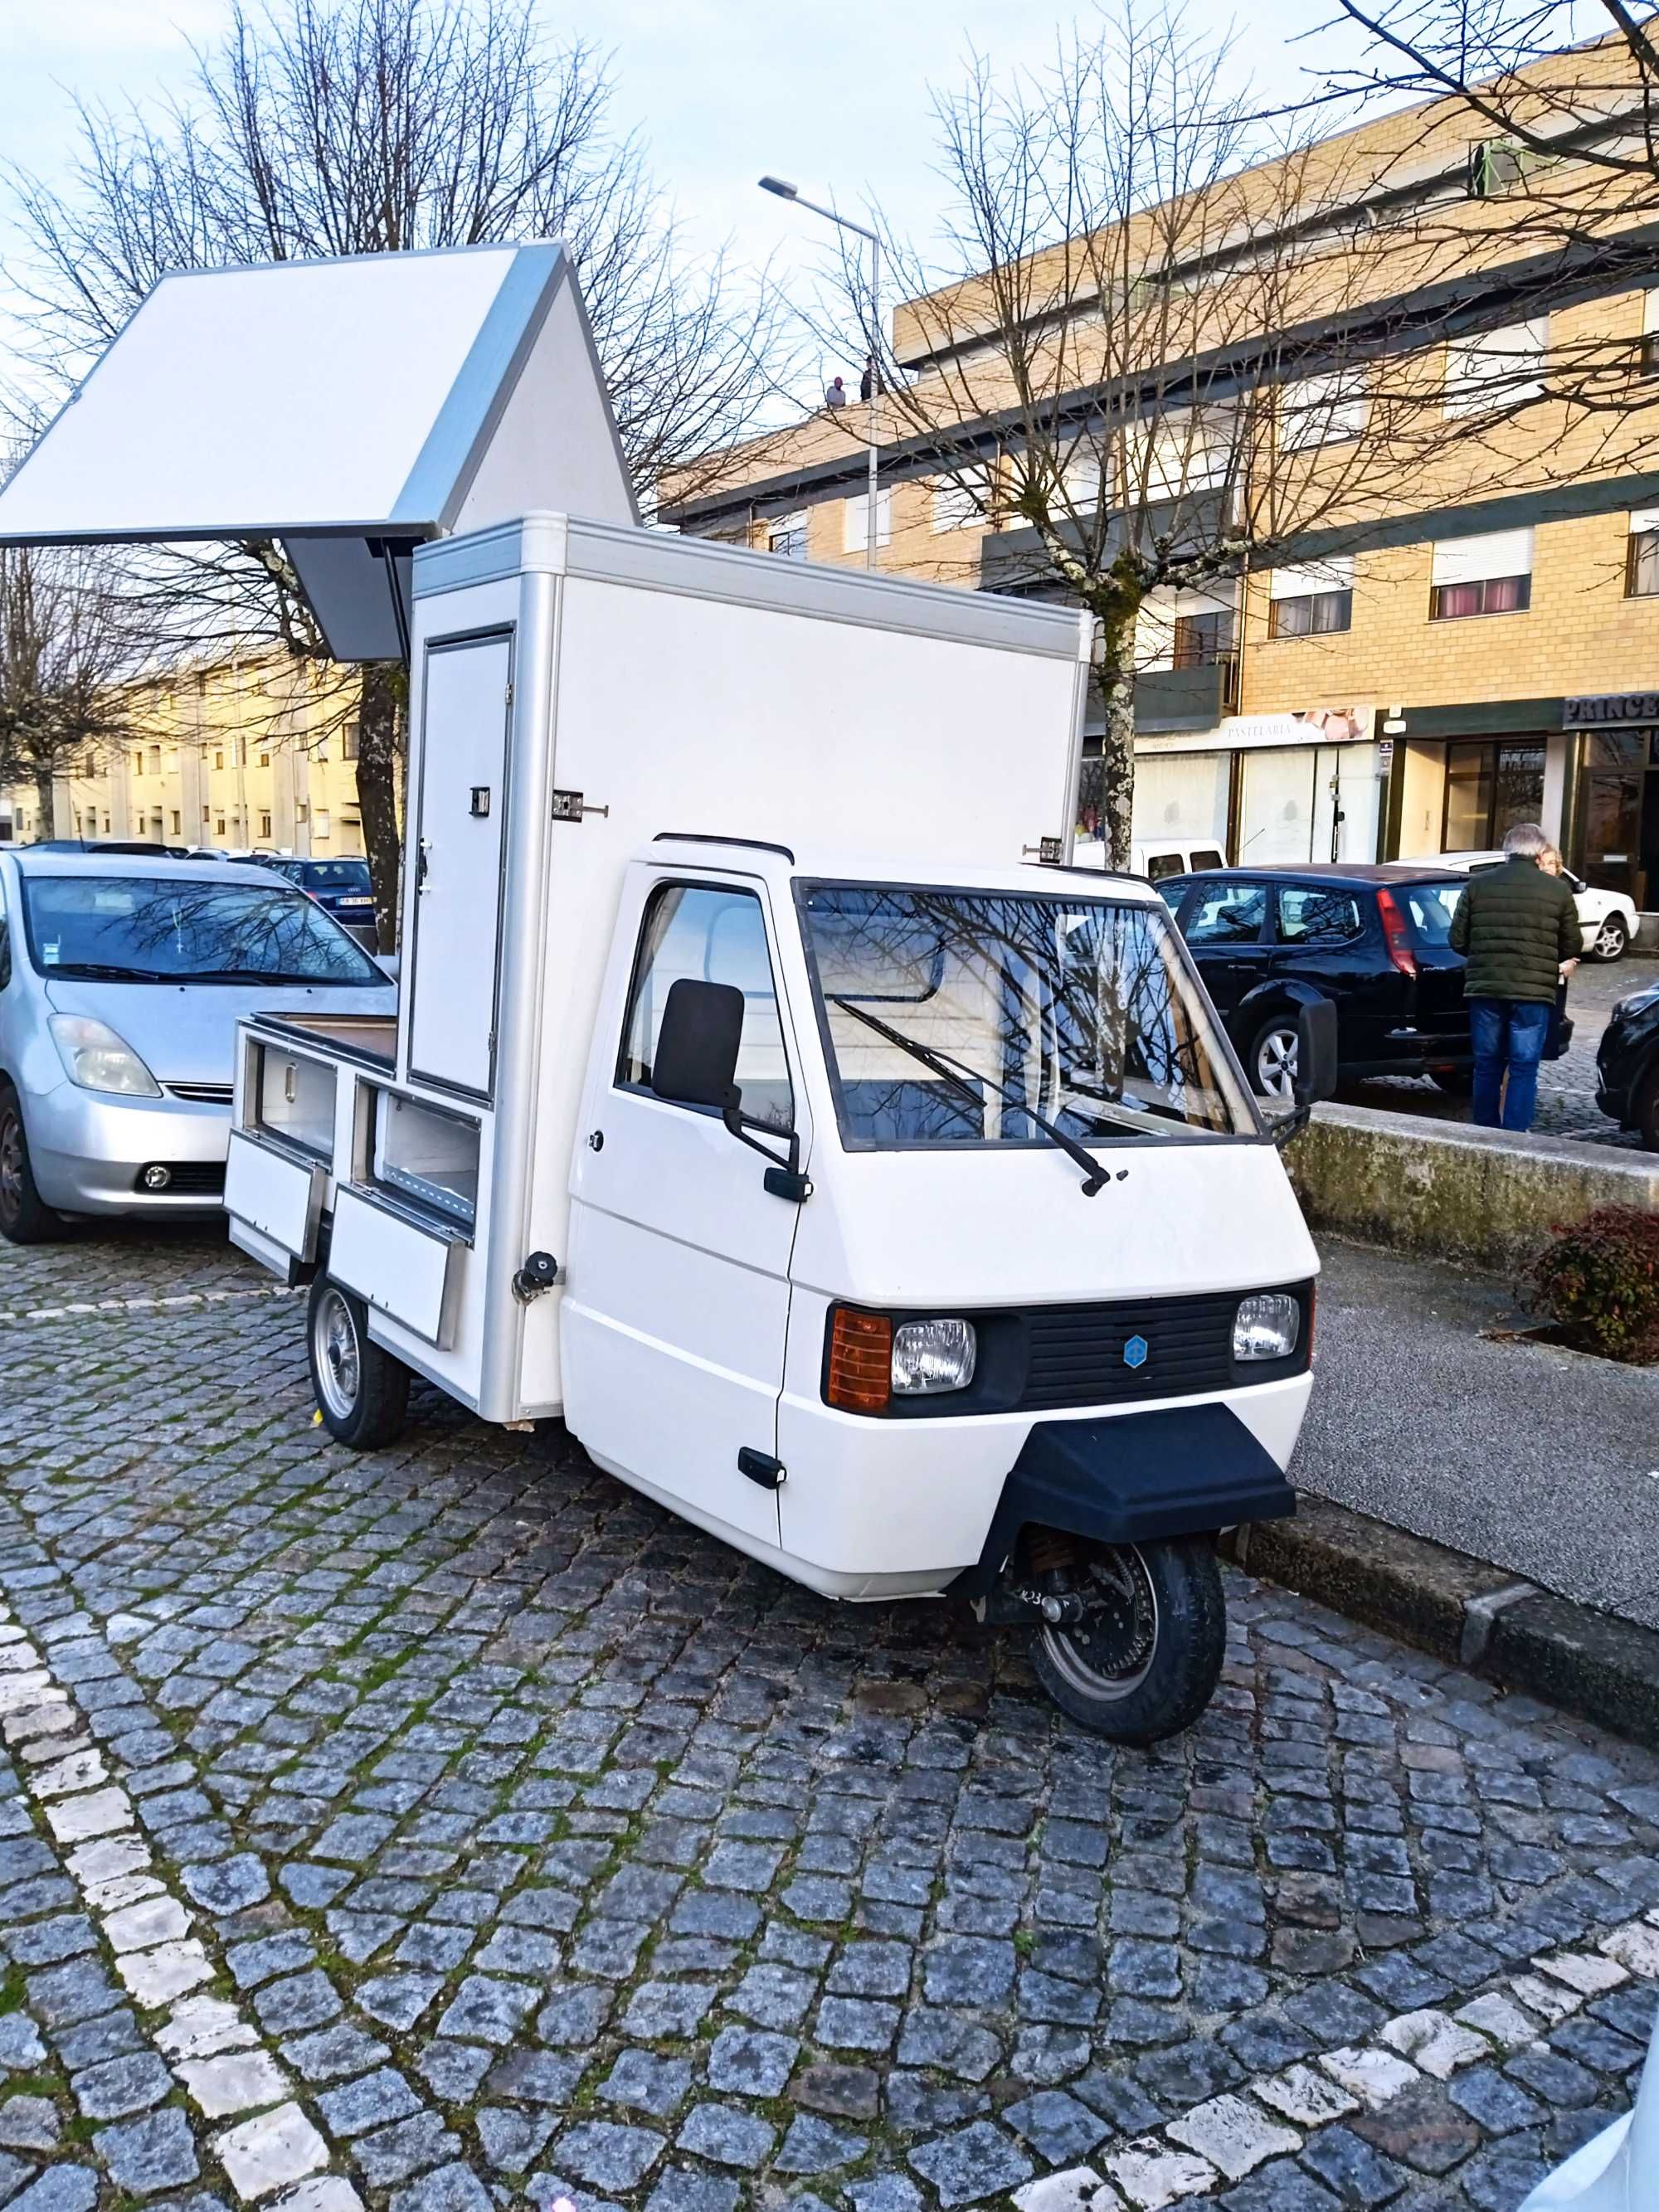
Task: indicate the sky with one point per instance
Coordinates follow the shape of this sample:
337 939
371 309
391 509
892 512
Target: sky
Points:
833 95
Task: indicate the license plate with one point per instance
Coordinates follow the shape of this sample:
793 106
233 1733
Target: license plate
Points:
356 902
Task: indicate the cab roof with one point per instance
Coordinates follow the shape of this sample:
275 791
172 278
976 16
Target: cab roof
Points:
838 864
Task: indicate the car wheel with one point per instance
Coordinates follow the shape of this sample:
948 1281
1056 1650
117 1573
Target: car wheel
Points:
1612 939
1273 1061
362 1392
25 1217
1647 1110
1145 1661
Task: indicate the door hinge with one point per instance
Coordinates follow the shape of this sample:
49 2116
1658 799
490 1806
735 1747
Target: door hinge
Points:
760 1467
509 694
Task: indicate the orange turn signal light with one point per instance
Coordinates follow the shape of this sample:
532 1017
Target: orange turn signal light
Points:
860 1372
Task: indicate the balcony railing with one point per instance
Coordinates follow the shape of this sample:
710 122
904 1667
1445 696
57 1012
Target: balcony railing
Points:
1189 698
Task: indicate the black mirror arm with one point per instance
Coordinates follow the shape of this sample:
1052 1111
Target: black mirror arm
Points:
783 1177
1290 1125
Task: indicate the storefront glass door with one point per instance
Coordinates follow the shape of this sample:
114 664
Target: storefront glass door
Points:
1489 787
1309 803
1618 841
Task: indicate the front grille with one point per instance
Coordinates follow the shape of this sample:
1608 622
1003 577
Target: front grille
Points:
186 1179
1074 1354
201 1094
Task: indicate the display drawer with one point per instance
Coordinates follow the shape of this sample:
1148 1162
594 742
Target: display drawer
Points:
280 1197
293 1098
400 1266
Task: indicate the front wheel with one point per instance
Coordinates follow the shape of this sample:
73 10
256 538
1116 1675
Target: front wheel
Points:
1143 1661
1611 941
1273 1061
362 1392
25 1217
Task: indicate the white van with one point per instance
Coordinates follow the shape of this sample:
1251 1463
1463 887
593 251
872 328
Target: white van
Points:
1152 859
890 1208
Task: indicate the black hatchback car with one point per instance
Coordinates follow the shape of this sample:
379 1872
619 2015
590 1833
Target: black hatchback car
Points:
1373 939
1627 1067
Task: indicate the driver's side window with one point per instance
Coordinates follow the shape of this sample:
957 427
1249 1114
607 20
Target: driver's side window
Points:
709 933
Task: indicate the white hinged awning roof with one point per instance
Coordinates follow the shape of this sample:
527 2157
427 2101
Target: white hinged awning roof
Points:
351 409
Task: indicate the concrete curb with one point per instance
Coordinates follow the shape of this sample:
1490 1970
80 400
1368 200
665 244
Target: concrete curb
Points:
1463 1611
1446 1191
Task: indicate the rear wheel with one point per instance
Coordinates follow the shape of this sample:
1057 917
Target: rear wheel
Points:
25 1217
1272 1059
362 1392
1611 941
1143 1662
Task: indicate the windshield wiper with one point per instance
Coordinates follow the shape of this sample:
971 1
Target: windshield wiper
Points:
1096 1178
104 971
249 975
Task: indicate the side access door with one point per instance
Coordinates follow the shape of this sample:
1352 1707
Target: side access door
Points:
676 1306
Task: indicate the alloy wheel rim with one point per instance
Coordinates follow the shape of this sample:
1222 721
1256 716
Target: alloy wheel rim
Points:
1611 939
1111 1660
339 1356
1276 1064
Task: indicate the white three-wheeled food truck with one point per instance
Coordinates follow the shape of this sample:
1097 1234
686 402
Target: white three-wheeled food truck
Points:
874 1195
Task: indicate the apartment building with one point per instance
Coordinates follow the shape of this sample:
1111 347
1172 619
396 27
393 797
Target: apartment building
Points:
1468 637
239 755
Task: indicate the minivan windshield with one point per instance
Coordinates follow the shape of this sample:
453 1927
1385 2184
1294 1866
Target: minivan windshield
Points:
955 1017
161 929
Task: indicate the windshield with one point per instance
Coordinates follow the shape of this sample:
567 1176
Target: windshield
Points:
158 929
1081 1010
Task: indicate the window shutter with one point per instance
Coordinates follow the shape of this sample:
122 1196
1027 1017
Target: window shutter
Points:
1644 519
855 527
1334 573
1475 559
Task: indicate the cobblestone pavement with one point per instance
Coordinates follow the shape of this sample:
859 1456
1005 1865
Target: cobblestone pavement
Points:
449 1827
1566 1087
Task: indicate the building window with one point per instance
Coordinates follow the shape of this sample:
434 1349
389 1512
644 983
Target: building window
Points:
1494 371
1497 165
178 822
854 528
265 825
1311 601
106 825
1321 411
207 816
220 826
1490 575
952 506
348 739
1201 640
786 534
1642 555
301 811
1489 787
265 760
319 822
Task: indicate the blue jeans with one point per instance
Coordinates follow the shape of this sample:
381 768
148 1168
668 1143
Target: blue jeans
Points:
1508 1034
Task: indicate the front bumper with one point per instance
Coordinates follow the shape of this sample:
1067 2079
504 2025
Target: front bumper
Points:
87 1148
1139 1479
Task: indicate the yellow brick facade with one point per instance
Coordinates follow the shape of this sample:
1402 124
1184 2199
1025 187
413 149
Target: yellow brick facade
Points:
242 756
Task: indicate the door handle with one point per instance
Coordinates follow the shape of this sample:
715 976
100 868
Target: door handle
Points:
421 864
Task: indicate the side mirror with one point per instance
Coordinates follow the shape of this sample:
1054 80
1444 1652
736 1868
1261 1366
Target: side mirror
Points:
1316 1051
695 1062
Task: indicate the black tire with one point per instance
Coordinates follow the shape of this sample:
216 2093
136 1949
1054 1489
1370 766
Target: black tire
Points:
1612 941
25 1217
1456 1082
1174 1590
1271 1062
362 1392
1647 1110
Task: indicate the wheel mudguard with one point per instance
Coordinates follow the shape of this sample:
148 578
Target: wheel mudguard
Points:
1133 1479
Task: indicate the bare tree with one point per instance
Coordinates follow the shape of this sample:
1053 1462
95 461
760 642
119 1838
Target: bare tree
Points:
1169 342
64 656
323 127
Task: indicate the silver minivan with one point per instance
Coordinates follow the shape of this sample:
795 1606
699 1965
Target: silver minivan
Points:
121 983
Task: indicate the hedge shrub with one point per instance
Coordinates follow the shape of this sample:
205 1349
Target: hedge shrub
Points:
1598 1279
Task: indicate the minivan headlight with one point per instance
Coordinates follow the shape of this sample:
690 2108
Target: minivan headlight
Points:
97 1060
930 1356
1266 1326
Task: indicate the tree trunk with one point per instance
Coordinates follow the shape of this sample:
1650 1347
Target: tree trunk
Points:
1117 757
383 695
46 803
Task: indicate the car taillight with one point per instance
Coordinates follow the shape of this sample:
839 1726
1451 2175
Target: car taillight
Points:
1398 936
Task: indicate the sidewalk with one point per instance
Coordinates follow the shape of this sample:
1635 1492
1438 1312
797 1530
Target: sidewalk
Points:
1543 1461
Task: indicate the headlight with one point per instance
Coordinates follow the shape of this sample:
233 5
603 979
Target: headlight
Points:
1266 1326
95 1058
933 1355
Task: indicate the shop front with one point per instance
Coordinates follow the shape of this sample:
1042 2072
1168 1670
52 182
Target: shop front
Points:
1302 786
1614 837
1462 776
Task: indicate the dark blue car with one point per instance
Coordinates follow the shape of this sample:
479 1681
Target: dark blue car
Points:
342 888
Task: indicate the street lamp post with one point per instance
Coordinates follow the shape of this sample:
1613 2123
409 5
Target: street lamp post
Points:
788 191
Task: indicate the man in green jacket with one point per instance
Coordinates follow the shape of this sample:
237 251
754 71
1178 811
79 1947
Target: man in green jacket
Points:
1518 929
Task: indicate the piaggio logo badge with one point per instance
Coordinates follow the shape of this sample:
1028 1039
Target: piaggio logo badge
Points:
1135 1352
